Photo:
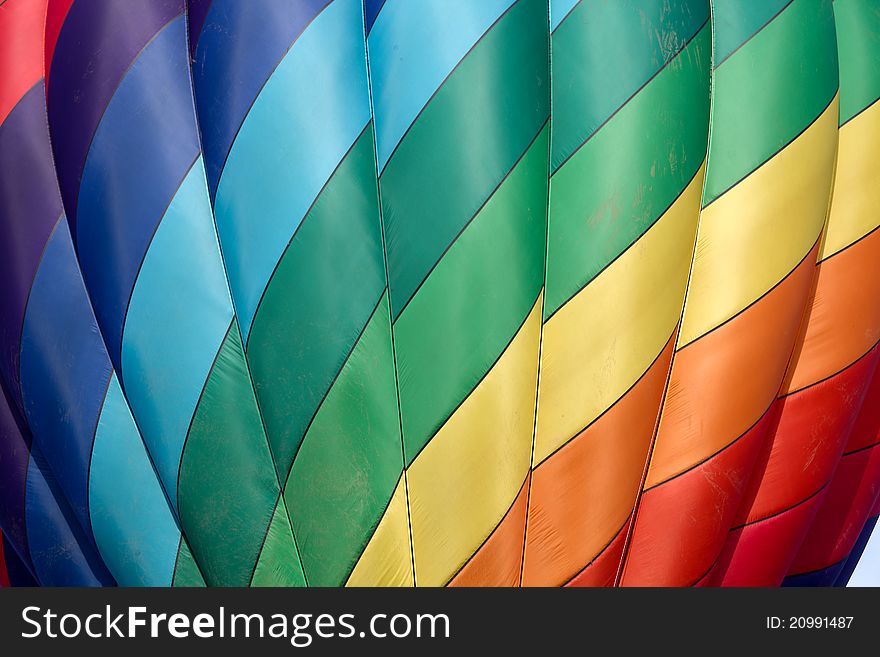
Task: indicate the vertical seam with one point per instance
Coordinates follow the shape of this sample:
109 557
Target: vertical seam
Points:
522 563
235 318
388 293
621 566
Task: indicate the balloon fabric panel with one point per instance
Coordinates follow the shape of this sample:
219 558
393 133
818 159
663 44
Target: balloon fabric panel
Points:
497 293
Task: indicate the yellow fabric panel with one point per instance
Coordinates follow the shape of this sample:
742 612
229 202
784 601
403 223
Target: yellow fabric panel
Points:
751 237
855 208
465 479
387 559
599 343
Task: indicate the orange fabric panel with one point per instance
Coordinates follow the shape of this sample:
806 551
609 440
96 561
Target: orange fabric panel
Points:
681 524
583 493
21 50
498 561
844 319
722 383
602 570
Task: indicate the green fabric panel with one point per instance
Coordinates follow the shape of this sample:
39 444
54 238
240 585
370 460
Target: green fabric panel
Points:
227 487
603 52
350 460
629 173
186 572
275 566
769 91
858 43
736 22
318 301
472 304
465 141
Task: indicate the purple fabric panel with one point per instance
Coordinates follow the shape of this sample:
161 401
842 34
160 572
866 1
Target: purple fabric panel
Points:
97 44
196 12
14 457
29 208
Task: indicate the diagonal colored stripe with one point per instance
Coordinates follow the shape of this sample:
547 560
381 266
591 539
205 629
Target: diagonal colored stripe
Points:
227 74
624 317
866 428
371 12
702 412
603 569
56 14
413 49
196 14
350 460
302 334
63 366
636 168
454 504
858 41
186 572
757 231
847 504
758 554
763 95
568 528
497 562
61 555
856 182
144 146
791 478
64 370
177 318
820 403
227 475
88 63
29 210
843 318
274 566
131 519
387 558
809 436
629 143
560 10
682 524
820 577
306 118
737 23
606 53
456 144
500 251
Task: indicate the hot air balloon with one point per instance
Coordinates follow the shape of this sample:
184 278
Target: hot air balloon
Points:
438 293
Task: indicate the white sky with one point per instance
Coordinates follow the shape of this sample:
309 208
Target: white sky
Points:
867 573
